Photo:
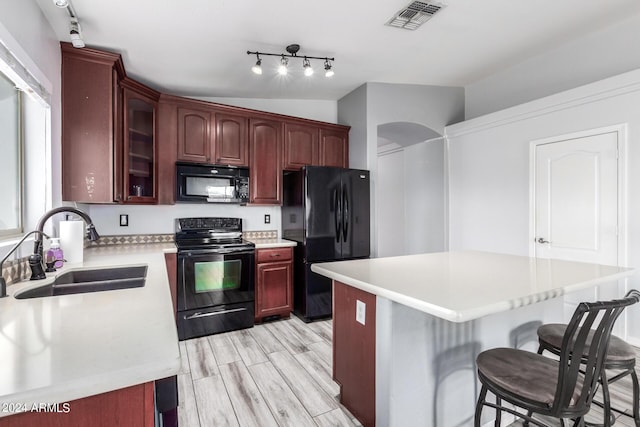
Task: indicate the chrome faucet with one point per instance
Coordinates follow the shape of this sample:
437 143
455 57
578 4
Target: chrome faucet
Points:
3 283
37 269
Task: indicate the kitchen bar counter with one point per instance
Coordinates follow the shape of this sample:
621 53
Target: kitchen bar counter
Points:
61 348
269 243
407 330
466 285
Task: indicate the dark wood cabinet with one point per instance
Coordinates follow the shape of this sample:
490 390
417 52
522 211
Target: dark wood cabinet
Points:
91 125
274 282
334 148
232 140
354 351
140 153
195 137
108 131
265 151
300 146
205 136
121 139
131 406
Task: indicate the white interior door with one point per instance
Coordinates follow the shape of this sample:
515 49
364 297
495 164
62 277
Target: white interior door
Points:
576 204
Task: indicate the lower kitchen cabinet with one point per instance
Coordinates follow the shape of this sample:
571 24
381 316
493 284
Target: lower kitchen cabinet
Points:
274 282
131 406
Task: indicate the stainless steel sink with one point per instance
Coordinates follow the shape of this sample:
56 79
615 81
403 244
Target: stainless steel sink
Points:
90 280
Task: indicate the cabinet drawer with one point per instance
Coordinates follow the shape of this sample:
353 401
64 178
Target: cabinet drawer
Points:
274 254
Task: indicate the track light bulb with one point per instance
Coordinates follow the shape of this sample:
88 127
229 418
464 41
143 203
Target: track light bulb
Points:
306 65
328 70
257 68
282 69
61 3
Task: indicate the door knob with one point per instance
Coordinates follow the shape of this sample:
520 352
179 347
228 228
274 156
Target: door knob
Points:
541 240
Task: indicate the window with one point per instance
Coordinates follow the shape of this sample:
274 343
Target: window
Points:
10 158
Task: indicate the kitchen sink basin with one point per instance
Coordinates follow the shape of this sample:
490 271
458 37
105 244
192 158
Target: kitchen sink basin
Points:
90 280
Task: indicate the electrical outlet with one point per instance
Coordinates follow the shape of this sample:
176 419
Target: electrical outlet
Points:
361 311
267 219
124 220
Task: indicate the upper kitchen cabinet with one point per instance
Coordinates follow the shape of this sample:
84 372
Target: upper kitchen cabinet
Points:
232 140
91 125
195 138
334 147
300 145
265 162
139 147
108 131
207 136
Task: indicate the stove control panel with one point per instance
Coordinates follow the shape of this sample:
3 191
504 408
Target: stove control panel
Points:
208 223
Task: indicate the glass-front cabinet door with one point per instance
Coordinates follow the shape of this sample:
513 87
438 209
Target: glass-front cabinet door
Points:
140 164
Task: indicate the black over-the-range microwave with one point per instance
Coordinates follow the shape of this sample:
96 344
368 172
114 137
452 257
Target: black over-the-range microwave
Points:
211 183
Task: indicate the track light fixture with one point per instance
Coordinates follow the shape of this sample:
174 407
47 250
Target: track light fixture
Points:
282 68
258 67
292 52
328 70
75 33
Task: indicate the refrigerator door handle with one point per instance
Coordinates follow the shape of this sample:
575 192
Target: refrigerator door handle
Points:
345 213
337 213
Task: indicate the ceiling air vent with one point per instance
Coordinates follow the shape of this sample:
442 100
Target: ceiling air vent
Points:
414 15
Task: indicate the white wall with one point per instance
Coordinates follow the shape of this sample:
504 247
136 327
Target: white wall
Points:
390 205
411 200
160 219
600 54
489 166
374 104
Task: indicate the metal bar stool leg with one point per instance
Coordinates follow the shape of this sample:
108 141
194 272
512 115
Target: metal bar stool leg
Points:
636 397
606 400
498 412
483 395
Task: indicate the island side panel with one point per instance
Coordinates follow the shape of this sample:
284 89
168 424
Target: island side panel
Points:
354 351
131 406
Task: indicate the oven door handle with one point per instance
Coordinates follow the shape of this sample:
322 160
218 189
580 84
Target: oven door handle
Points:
190 252
212 313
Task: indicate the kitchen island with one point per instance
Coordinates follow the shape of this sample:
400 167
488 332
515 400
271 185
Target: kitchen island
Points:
107 344
407 329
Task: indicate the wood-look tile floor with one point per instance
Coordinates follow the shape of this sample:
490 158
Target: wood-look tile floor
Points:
274 374
279 374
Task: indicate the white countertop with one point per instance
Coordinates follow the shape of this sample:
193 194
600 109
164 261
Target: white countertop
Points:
466 285
272 243
61 348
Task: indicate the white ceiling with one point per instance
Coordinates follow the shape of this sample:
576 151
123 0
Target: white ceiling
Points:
198 47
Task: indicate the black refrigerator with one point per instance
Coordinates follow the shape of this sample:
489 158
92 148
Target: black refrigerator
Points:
326 211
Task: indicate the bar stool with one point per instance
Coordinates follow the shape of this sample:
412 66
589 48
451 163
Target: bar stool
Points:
561 388
620 356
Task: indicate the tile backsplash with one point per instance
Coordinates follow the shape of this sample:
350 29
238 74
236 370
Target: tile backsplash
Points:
18 269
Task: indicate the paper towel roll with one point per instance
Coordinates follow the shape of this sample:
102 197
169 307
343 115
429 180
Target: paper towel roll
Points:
72 240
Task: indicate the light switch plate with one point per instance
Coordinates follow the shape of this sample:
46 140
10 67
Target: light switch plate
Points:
361 311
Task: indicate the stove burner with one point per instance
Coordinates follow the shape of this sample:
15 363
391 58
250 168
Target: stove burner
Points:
210 233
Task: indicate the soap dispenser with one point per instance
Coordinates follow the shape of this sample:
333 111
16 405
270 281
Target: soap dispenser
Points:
55 252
